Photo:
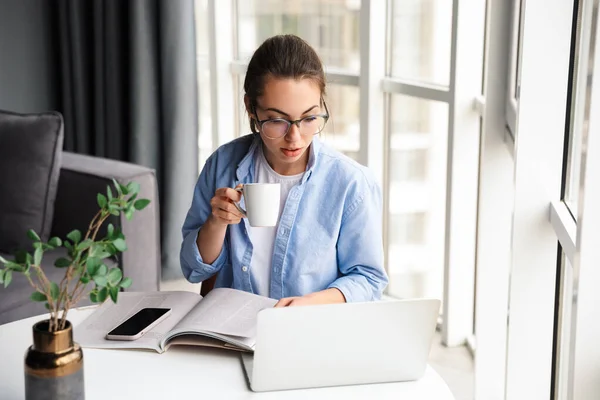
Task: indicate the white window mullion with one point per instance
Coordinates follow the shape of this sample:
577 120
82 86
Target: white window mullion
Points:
220 16
468 27
538 153
496 194
372 71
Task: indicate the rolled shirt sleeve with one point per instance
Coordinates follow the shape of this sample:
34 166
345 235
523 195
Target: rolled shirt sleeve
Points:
360 249
193 267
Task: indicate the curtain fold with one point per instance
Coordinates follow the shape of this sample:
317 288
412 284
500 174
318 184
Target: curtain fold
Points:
129 92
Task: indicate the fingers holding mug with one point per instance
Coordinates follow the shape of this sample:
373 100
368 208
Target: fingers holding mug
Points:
223 206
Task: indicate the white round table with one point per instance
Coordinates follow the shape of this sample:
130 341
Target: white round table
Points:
182 372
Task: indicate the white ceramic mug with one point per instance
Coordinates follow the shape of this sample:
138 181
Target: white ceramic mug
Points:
262 203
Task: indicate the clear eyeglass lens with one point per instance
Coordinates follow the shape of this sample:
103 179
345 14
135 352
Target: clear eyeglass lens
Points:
277 128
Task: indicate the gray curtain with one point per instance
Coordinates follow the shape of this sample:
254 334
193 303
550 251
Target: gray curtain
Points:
129 92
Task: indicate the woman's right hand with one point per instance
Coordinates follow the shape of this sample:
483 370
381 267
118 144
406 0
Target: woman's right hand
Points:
224 212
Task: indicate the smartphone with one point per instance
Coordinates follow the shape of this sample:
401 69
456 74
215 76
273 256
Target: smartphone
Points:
138 324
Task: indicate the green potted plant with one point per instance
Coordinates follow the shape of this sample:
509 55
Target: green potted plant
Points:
54 363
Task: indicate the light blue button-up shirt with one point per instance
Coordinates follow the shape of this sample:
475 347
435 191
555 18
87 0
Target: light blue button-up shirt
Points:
329 233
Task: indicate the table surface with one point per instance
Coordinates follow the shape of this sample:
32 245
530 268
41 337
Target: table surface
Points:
182 372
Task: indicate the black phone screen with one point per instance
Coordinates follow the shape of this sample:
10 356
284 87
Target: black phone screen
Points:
137 322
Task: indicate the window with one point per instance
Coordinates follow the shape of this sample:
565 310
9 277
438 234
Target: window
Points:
332 28
580 109
512 98
421 33
205 142
562 360
417 187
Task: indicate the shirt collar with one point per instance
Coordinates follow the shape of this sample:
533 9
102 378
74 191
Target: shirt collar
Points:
245 169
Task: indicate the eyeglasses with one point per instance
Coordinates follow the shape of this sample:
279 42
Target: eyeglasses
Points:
275 128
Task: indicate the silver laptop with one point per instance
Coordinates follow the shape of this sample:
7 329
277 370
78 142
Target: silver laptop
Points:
341 344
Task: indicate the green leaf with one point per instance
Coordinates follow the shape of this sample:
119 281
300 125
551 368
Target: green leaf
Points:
114 276
33 236
133 188
102 270
54 290
98 250
132 199
129 214
94 296
114 293
116 213
118 187
74 236
109 194
102 294
21 256
7 277
3 260
111 249
126 282
110 230
47 306
85 244
92 265
68 245
124 189
1 276
84 279
37 256
102 202
120 244
100 280
55 242
37 296
141 204
62 263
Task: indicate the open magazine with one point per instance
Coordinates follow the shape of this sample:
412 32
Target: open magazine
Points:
223 318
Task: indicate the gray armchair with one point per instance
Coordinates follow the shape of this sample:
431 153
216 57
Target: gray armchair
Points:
81 178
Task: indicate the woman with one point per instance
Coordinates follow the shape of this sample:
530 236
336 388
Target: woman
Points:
327 245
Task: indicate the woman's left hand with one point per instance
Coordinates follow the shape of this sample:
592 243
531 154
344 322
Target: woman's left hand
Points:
327 296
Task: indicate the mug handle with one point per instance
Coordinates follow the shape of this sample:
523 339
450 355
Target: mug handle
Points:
237 205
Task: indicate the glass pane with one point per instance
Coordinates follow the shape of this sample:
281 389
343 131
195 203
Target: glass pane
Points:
243 123
417 182
563 338
330 26
580 108
421 33
518 29
205 144
342 131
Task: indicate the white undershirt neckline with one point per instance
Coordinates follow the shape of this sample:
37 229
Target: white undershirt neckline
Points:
263 239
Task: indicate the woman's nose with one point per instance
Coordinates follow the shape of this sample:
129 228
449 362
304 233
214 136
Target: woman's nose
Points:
293 133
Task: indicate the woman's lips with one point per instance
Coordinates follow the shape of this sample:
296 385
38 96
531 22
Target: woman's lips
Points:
292 152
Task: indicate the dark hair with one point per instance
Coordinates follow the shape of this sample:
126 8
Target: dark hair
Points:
282 56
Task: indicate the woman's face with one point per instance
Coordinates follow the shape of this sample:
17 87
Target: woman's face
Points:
290 99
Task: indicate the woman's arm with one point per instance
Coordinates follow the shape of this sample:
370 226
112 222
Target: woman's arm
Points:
360 246
212 234
327 296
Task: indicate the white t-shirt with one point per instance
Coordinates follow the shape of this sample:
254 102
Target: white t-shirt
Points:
263 238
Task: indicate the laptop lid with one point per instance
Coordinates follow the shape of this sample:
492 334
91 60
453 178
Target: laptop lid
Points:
342 344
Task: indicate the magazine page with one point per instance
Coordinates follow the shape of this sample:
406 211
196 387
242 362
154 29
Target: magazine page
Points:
92 331
225 312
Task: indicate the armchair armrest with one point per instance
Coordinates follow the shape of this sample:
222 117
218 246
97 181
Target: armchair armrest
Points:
81 178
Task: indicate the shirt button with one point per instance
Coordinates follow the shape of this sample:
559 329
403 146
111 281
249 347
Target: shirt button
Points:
244 268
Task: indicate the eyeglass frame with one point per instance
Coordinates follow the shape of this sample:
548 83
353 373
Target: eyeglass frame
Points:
290 122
